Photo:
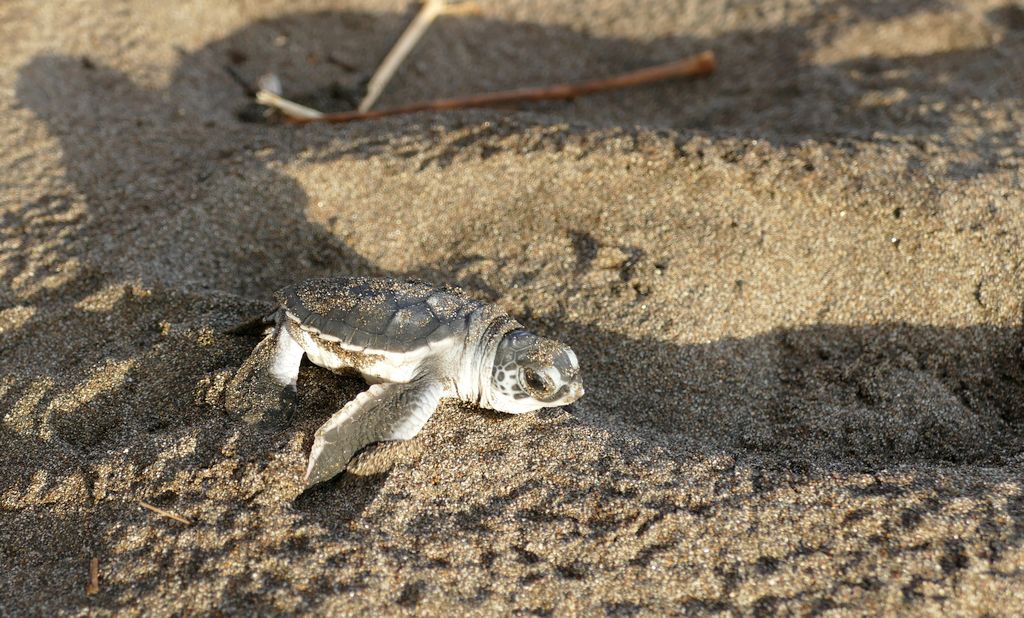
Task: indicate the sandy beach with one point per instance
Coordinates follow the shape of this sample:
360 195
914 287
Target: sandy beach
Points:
795 289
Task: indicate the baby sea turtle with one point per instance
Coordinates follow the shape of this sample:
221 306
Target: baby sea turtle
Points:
415 344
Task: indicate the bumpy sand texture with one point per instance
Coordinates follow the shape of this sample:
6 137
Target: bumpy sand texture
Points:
795 290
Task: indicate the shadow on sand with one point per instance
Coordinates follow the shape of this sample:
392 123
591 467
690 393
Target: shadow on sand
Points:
135 390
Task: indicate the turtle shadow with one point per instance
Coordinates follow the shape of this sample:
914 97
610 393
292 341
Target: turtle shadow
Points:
863 398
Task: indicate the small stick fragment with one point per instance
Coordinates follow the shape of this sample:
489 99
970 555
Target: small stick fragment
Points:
289 108
268 93
94 577
701 65
413 33
167 514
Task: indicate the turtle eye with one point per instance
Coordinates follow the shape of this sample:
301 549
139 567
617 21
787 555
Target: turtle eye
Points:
536 381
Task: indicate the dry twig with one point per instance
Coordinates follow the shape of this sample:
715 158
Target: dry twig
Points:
413 33
288 108
701 65
269 94
167 514
94 577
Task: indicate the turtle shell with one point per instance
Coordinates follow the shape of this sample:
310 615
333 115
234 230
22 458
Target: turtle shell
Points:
386 315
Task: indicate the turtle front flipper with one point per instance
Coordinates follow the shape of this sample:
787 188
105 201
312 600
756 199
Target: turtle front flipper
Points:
263 389
394 411
284 369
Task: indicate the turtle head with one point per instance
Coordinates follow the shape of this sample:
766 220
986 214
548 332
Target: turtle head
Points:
532 372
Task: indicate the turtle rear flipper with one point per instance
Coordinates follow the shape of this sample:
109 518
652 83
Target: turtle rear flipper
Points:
392 411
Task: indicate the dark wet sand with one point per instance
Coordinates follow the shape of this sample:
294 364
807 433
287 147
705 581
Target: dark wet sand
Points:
795 289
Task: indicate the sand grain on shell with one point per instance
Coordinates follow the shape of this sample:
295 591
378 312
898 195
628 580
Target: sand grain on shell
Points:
794 288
